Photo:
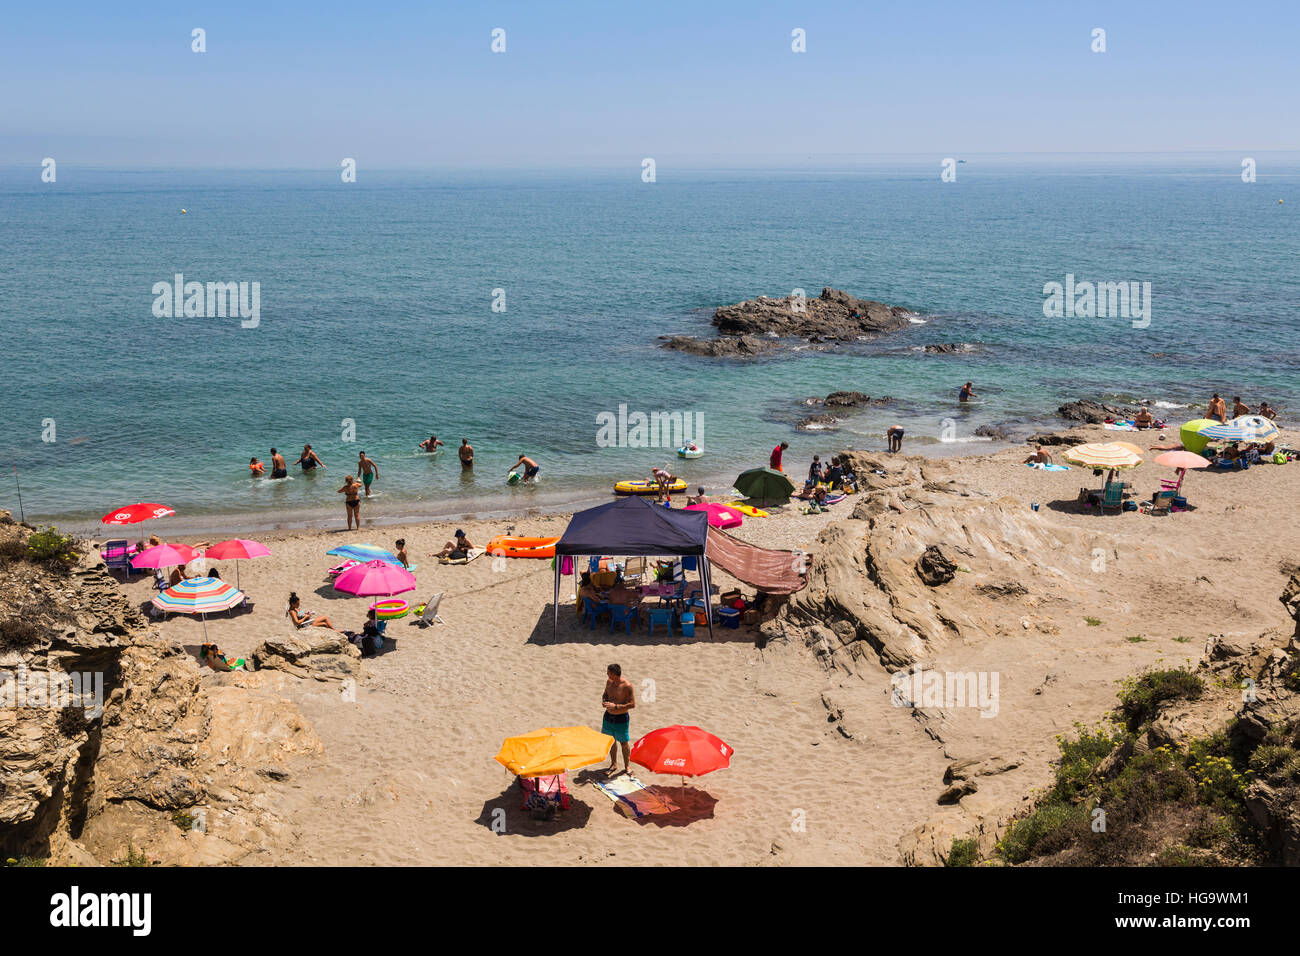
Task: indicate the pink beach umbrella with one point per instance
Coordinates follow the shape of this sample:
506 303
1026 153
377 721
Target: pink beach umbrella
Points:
374 579
1181 460
236 549
164 556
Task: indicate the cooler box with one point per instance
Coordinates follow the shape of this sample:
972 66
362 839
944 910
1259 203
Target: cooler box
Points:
687 623
729 617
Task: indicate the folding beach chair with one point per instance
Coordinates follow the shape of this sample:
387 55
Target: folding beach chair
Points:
430 615
1113 497
634 570
116 555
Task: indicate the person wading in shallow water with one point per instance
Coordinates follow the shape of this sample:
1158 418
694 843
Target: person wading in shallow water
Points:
352 502
369 471
617 700
466 453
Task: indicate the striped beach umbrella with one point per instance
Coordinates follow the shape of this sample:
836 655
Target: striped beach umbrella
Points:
1225 432
364 553
201 596
1257 428
1110 455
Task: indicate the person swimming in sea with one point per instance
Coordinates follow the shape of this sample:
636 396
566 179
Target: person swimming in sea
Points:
466 453
966 393
278 469
309 459
431 445
256 468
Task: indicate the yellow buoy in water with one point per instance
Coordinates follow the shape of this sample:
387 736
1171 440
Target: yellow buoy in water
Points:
184 211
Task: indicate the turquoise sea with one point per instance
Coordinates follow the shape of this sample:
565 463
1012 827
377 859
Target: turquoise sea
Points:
376 308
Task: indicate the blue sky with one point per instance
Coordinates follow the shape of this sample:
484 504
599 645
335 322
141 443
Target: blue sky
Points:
401 84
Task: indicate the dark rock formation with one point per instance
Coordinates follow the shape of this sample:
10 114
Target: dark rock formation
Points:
817 423
727 346
934 567
834 316
1048 438
1094 413
1001 431
949 348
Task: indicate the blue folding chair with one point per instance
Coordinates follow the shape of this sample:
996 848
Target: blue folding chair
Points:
621 614
593 611
116 555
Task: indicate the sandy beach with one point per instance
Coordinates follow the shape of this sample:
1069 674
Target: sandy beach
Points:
827 769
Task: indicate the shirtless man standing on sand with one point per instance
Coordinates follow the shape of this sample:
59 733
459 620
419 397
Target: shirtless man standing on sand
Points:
617 700
1218 408
466 453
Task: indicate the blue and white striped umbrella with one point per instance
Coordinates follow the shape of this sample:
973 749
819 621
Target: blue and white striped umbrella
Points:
364 553
1260 428
1245 428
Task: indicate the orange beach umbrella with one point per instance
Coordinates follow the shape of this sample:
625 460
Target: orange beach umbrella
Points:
552 750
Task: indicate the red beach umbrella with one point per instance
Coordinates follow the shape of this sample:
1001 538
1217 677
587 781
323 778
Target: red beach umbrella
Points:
236 549
144 511
682 750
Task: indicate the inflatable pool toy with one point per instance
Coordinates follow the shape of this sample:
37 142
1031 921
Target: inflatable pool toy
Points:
690 451
645 487
832 499
749 510
514 478
509 546
720 516
390 610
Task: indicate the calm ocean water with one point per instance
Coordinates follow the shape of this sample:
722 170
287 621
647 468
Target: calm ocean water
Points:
376 307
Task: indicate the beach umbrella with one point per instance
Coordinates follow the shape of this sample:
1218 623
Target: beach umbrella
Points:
765 484
201 596
364 552
553 750
1190 433
1258 428
375 578
236 549
682 750
1181 460
1111 455
143 511
1230 431
164 556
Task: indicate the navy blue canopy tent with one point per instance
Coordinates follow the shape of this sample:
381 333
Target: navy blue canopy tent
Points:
634 527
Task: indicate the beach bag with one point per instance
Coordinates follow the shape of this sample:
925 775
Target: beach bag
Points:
457 555
367 646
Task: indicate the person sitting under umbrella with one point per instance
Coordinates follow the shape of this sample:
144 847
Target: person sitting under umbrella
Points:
303 619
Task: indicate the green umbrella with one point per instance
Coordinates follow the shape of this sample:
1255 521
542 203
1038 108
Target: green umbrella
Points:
1190 433
765 484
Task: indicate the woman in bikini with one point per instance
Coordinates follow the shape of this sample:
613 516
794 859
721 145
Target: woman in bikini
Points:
352 501
303 619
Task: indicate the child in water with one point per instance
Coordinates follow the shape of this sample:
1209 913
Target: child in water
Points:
256 467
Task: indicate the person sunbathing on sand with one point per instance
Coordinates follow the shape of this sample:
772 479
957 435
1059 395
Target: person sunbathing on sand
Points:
699 498
459 544
1143 419
211 655
1040 457
401 553
303 619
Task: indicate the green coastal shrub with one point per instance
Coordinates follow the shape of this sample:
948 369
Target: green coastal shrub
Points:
963 853
1141 696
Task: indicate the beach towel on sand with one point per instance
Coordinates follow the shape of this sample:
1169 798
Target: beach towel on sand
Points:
1041 467
1121 426
633 798
470 555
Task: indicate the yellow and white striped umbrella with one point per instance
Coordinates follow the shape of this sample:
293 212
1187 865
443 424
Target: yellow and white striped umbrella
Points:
1109 454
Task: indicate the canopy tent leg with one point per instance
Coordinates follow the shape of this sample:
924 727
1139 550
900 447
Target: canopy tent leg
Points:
555 622
708 592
